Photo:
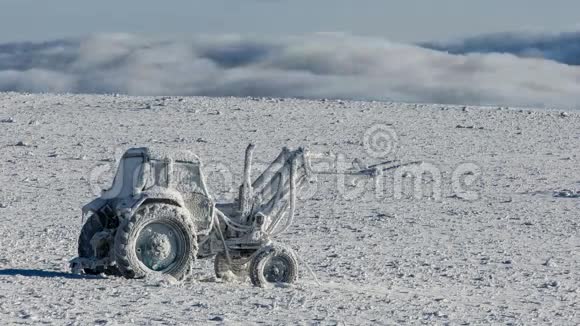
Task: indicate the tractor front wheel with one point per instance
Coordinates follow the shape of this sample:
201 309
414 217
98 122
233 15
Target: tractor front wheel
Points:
273 264
158 238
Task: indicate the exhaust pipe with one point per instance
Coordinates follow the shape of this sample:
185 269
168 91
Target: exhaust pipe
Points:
246 192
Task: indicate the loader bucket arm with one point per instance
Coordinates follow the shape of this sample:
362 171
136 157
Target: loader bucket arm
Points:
273 189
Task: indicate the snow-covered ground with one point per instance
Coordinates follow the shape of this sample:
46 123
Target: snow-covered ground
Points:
482 239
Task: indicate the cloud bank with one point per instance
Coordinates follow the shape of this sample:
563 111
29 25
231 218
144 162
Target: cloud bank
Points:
560 47
314 66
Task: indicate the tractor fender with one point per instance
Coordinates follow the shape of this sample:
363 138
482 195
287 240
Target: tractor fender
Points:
199 206
163 195
201 210
94 206
126 207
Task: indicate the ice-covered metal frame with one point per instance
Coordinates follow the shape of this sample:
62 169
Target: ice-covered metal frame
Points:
176 178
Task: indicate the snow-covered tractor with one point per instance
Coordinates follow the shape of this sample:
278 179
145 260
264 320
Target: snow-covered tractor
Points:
158 217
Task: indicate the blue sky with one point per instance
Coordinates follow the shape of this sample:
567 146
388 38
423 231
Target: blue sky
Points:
397 20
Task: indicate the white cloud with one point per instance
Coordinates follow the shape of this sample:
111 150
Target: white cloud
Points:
35 80
561 47
315 66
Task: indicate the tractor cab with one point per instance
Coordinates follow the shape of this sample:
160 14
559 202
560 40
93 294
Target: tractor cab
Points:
141 170
147 176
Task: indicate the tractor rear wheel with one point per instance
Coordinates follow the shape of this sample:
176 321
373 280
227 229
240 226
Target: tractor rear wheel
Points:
158 238
273 264
92 227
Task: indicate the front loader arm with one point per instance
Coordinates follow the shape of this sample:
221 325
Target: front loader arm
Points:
274 191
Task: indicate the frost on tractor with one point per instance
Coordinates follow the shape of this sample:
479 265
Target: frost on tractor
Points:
158 218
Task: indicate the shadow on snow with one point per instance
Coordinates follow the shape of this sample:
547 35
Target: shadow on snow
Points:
44 274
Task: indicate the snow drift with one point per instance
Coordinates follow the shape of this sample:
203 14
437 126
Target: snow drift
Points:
314 66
